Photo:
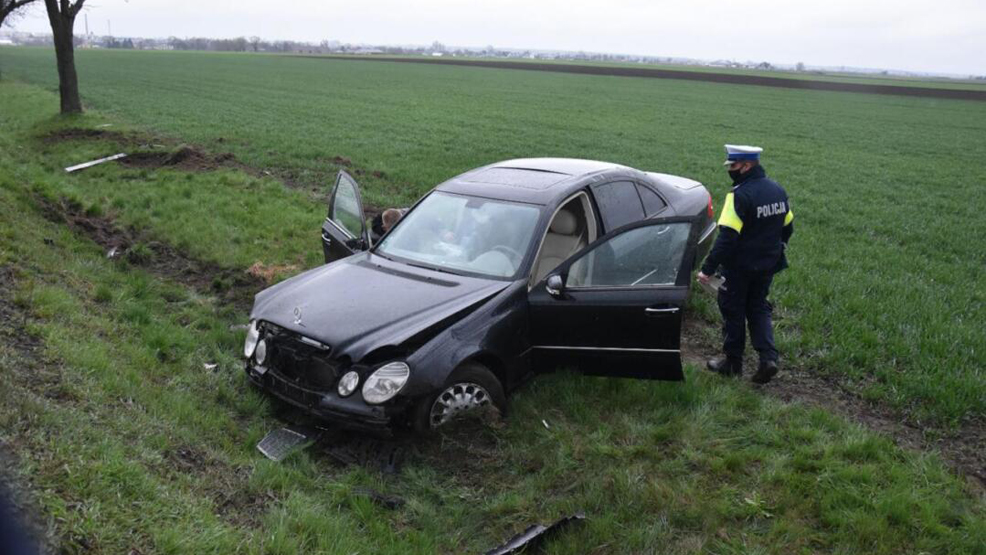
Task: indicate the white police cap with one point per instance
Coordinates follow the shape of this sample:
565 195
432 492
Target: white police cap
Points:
741 153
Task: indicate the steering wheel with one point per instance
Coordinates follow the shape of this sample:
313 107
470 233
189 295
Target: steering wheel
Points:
514 256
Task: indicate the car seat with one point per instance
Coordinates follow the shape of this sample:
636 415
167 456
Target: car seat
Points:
562 241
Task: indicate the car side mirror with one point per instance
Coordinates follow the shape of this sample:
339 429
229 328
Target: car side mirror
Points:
555 285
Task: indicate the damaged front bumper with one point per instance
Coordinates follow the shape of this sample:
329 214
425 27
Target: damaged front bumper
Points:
351 412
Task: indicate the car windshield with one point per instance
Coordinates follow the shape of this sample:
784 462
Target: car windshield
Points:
459 233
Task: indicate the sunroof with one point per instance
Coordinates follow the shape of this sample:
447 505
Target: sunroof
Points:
518 177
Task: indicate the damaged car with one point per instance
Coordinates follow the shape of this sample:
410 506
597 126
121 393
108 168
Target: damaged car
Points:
499 272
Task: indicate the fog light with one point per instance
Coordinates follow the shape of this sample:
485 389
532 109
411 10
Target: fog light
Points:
348 383
260 353
383 384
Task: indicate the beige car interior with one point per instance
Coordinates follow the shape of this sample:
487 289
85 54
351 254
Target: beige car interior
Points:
570 231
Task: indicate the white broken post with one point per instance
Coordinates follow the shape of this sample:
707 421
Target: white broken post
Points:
71 169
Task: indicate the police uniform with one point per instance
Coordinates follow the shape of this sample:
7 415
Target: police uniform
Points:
754 227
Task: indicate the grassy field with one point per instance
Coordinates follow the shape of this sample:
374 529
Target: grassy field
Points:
886 287
827 76
129 443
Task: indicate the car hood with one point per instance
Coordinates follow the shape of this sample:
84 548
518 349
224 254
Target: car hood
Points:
364 302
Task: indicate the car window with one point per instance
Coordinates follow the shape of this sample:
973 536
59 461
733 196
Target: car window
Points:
652 202
648 255
619 203
471 234
345 209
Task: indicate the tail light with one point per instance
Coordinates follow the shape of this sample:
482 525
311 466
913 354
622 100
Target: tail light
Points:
709 211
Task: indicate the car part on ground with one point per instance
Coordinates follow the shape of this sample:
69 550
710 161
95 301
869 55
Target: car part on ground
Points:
535 535
279 444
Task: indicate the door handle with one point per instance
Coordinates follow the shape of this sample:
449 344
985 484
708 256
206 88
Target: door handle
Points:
671 310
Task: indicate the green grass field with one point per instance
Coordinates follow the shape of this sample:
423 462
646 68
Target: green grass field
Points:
886 286
128 443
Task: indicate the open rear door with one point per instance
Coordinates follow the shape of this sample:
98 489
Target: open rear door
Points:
615 307
344 231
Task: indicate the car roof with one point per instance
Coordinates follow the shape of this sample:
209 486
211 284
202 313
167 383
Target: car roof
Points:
534 180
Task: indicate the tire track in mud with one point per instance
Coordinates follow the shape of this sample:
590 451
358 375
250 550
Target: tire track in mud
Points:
709 77
962 450
232 286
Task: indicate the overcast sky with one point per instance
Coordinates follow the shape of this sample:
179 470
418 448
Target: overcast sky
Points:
946 36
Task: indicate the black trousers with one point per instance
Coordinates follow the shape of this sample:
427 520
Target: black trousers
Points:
743 301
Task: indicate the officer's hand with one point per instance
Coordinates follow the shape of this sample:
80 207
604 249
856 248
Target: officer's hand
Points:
702 277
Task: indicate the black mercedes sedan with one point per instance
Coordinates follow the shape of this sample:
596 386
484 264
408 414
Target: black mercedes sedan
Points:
502 271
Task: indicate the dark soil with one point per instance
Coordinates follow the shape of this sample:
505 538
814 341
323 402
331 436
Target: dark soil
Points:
232 286
185 158
964 449
655 73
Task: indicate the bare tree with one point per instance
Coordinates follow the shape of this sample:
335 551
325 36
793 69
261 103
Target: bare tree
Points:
8 7
61 15
255 43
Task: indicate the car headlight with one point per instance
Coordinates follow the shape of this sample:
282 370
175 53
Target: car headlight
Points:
260 352
253 334
348 383
385 382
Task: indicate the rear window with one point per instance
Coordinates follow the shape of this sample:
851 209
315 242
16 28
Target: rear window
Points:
619 203
652 202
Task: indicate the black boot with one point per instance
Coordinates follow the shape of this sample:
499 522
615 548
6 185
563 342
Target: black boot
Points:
726 366
766 371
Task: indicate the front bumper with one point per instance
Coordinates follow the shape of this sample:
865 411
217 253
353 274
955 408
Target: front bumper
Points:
351 412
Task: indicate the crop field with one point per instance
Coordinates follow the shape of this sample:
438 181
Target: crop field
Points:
122 436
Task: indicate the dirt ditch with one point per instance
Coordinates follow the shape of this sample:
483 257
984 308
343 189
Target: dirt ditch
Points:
963 450
184 158
231 286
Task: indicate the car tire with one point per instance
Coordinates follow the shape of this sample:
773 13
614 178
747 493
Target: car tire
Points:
470 384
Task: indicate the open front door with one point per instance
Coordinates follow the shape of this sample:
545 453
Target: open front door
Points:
615 307
344 230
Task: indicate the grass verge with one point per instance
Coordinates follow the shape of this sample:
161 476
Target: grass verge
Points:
130 443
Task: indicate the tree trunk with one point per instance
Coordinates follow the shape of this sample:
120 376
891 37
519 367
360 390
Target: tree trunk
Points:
62 23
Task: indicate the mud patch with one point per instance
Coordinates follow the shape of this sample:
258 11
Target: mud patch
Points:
963 450
184 158
269 273
231 286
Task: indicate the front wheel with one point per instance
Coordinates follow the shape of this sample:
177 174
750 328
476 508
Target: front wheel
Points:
467 391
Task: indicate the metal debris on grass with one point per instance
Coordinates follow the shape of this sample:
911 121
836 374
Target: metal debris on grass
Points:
282 442
535 535
85 165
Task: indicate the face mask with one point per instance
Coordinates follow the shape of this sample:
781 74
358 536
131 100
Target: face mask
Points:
736 175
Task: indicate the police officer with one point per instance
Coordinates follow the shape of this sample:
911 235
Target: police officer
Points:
754 228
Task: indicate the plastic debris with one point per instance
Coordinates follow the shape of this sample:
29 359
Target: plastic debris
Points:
85 165
210 365
545 422
535 535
